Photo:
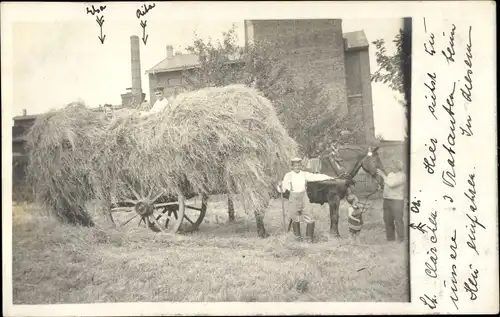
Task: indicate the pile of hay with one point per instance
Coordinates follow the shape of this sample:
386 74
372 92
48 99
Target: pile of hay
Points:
214 140
61 147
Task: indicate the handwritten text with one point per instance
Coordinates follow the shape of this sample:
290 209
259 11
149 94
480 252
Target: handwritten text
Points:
99 19
467 90
450 50
141 12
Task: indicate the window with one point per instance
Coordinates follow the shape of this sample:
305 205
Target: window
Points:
176 81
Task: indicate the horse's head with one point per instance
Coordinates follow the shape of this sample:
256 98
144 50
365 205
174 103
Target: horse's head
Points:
371 162
368 160
334 164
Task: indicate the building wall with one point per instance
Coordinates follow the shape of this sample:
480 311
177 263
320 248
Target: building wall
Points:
393 150
19 159
355 108
359 91
366 86
19 129
130 101
171 82
314 50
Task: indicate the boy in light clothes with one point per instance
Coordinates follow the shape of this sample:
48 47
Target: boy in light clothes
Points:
161 102
295 183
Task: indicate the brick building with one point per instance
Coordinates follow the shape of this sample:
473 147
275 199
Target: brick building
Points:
19 159
317 50
168 73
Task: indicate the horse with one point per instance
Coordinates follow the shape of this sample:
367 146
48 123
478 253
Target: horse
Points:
331 192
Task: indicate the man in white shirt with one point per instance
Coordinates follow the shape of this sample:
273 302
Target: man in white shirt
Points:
295 182
161 102
394 191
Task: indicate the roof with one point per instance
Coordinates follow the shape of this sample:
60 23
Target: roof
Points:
27 117
181 62
177 62
356 39
19 138
35 116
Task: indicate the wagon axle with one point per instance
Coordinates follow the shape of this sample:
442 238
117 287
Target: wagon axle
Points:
144 208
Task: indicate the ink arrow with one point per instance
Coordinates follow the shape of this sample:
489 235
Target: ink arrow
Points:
100 20
102 37
144 35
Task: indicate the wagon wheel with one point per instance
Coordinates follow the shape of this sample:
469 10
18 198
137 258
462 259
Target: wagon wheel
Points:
159 213
192 212
184 215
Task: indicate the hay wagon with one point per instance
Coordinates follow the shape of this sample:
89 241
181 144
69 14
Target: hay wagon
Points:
133 163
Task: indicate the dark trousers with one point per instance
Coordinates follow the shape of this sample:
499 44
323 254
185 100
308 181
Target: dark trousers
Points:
353 232
393 219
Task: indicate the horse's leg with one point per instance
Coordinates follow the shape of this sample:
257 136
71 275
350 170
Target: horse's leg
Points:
230 208
334 203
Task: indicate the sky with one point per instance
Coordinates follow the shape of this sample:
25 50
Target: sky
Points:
55 63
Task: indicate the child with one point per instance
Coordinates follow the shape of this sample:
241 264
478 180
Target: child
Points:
355 216
294 185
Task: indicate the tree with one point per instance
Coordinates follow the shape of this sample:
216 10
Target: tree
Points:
314 122
390 69
304 109
257 65
218 62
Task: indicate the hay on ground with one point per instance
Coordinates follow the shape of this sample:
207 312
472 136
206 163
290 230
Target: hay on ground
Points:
215 140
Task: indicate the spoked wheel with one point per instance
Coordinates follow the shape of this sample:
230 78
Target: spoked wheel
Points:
161 213
182 216
193 213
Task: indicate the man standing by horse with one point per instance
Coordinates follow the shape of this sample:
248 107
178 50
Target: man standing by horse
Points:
294 183
394 201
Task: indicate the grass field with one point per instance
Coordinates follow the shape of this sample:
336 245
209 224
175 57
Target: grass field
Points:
55 263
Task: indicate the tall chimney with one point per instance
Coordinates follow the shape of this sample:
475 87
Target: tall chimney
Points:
170 52
24 112
136 69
